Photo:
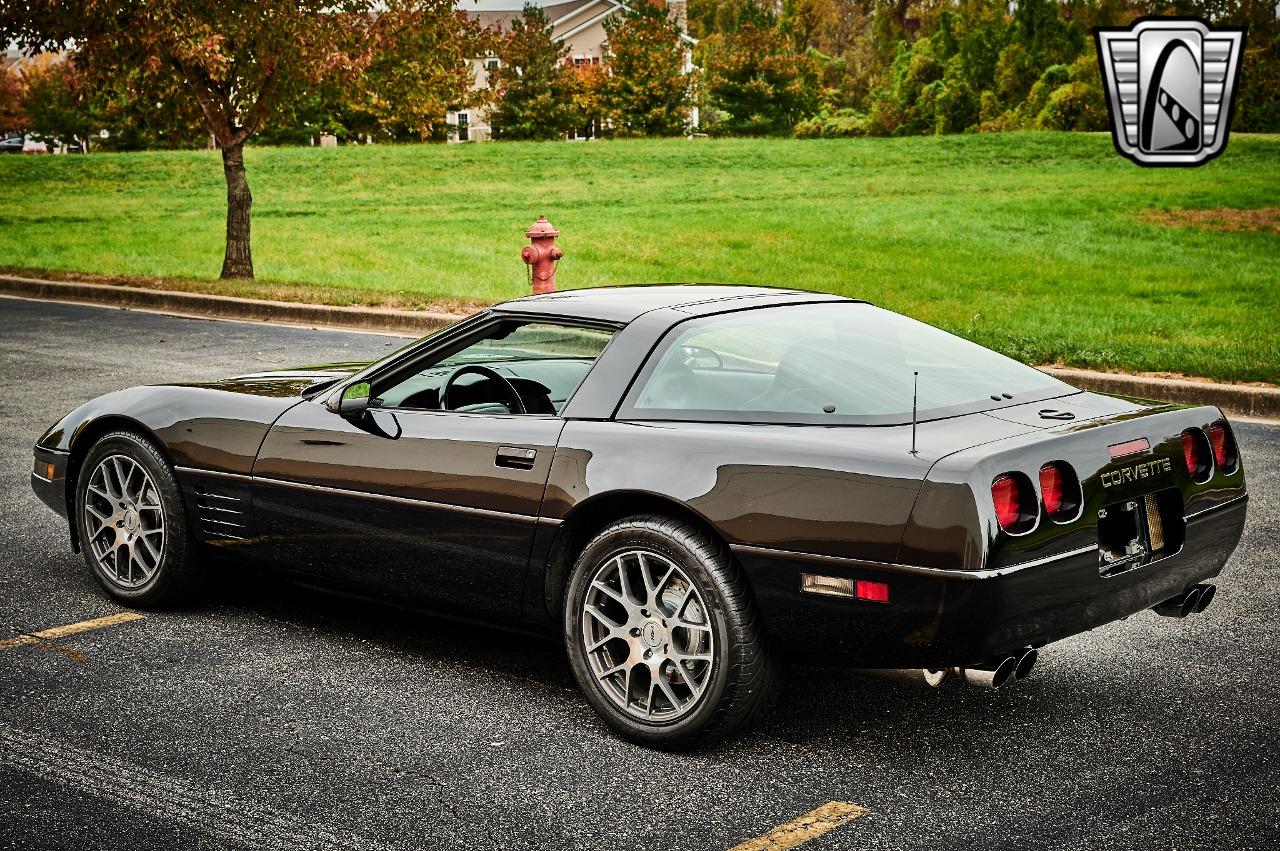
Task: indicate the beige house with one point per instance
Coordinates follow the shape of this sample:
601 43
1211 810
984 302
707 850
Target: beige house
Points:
578 24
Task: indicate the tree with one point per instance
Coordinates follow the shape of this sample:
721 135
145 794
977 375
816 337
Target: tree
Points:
591 97
755 76
422 70
648 90
242 63
12 117
55 104
533 88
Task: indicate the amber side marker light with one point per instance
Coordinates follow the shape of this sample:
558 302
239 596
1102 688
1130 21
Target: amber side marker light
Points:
44 471
835 586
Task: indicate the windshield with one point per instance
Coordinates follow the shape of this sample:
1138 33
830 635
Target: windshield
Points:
842 362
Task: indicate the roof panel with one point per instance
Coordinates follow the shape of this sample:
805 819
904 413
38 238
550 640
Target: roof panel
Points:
503 12
625 303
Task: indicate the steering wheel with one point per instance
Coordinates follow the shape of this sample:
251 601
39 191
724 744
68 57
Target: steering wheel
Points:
514 402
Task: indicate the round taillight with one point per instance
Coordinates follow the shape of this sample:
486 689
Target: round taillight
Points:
1224 447
1015 503
1195 451
1060 492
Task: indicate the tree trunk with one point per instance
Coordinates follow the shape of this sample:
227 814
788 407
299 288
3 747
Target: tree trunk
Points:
238 262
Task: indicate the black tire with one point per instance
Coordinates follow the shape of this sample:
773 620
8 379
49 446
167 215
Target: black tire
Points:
177 575
742 680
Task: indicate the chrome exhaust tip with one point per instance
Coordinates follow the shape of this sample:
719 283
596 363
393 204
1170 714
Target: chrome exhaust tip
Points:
992 676
1205 598
1026 662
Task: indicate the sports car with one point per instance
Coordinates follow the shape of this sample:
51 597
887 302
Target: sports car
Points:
686 483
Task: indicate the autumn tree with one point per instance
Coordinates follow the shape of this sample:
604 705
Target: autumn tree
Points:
55 103
141 113
591 97
421 71
241 63
648 90
62 103
12 117
533 89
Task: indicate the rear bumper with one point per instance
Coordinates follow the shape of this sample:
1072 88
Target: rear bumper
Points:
49 478
937 618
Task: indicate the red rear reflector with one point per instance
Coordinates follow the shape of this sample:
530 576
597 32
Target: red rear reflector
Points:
1218 440
1051 487
1191 452
876 592
1129 447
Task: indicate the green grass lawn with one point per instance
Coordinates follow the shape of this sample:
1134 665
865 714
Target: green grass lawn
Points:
1039 245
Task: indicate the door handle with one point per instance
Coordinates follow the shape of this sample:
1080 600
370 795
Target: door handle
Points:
519 457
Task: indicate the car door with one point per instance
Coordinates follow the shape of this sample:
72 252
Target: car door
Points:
445 512
410 500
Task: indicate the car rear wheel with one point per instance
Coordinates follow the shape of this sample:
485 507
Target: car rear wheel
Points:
133 529
663 634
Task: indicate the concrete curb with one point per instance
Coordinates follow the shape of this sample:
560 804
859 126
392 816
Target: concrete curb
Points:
1234 399
412 322
1240 400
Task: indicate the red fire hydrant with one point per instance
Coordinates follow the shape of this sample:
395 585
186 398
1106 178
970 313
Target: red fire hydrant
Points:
542 255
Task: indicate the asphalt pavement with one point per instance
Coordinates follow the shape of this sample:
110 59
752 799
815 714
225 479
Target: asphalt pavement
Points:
273 716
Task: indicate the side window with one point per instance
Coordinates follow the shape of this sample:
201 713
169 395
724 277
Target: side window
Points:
733 365
543 363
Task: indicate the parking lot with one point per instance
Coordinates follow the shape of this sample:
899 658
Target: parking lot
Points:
273 716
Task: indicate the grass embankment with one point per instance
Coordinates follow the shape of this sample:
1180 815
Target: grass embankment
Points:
1049 247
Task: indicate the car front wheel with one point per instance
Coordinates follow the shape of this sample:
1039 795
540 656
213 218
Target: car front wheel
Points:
663 634
133 529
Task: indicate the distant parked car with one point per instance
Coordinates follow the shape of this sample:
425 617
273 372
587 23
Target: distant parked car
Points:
11 145
31 146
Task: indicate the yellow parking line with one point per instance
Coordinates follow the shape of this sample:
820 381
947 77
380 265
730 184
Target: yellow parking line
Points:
798 831
69 629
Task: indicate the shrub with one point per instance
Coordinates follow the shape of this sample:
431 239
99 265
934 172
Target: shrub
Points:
840 124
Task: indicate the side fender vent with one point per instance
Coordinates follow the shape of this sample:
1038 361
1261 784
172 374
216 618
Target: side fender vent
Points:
221 514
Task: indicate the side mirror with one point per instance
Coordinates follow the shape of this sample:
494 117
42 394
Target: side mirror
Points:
354 401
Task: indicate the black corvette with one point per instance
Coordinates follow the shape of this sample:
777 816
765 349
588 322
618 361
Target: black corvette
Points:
686 481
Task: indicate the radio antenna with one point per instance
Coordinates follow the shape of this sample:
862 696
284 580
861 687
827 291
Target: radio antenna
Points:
915 394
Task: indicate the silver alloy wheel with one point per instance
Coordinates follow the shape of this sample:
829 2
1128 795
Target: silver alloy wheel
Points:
647 635
124 520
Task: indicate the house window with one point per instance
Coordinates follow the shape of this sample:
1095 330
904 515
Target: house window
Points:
492 63
579 61
464 127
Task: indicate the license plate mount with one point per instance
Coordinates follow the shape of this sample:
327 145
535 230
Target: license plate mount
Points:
1136 531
